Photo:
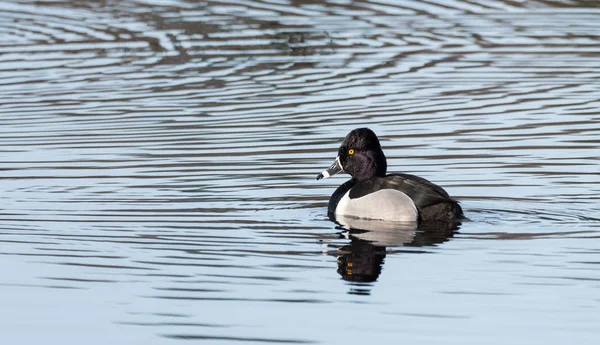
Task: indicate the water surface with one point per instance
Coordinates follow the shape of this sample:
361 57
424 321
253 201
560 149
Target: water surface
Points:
158 164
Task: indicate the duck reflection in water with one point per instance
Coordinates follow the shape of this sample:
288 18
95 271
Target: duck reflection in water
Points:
361 261
382 210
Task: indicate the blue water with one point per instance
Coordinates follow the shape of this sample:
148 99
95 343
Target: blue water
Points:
158 164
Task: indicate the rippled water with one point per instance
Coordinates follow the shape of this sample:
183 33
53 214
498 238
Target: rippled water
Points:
158 164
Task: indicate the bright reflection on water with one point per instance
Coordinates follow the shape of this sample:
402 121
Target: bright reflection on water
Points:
158 163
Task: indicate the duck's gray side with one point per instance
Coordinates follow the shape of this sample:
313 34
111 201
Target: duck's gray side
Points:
431 201
385 204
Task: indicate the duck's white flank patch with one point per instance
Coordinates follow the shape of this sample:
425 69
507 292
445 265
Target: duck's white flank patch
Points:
384 204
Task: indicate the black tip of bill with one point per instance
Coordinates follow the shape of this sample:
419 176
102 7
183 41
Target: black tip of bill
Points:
335 168
324 174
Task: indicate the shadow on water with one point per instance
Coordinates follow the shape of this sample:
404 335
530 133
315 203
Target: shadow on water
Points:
361 261
157 161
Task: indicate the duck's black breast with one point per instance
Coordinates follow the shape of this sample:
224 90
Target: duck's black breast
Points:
337 195
431 200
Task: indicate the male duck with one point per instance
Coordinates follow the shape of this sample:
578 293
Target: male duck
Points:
372 194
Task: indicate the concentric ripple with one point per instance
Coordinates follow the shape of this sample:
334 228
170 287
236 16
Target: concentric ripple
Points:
157 166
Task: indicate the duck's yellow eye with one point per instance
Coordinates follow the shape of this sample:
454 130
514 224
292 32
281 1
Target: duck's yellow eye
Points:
351 151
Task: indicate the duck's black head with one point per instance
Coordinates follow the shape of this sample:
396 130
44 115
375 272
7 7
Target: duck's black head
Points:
360 155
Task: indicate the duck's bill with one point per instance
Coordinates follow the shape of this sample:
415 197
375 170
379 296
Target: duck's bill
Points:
335 168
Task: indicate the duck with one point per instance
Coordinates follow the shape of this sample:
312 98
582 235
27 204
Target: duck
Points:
371 193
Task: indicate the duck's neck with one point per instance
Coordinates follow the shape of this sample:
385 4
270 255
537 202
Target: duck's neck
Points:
375 166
